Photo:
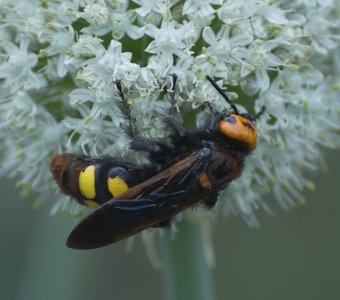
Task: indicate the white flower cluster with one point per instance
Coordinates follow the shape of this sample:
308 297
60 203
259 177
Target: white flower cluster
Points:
58 60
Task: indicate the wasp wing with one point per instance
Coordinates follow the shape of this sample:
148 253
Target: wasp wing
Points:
156 199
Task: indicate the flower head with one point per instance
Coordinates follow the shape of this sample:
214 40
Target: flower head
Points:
58 60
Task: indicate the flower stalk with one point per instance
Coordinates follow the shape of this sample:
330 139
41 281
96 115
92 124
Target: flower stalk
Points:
186 275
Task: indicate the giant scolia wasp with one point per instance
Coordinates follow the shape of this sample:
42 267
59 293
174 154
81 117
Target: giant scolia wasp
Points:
188 168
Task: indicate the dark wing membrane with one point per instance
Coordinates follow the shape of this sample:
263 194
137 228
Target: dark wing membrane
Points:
156 199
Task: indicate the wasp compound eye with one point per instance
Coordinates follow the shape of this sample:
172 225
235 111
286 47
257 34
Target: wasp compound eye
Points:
229 119
240 129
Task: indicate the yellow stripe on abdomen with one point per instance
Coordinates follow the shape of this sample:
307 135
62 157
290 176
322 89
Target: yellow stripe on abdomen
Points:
116 186
91 204
87 186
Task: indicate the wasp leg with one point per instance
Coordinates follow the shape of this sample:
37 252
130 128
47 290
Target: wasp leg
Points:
131 129
213 121
211 201
175 126
163 224
149 146
171 122
173 104
210 124
138 143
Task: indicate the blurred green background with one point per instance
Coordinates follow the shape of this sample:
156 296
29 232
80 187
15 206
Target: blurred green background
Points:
293 255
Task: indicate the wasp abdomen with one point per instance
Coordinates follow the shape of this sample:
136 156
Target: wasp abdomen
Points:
90 182
117 181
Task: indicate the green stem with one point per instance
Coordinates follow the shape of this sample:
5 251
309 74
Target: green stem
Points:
185 271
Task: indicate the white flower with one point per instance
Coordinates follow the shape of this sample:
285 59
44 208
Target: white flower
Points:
154 10
58 60
16 70
201 12
114 18
171 39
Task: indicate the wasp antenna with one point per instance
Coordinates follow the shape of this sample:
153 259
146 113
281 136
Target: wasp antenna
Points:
258 114
223 94
120 90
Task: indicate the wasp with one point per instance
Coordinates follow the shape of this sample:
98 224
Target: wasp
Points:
187 168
